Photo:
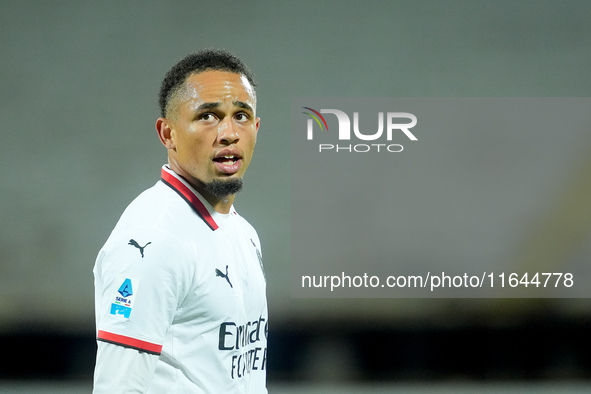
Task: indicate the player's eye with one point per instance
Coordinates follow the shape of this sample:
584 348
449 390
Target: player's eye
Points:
208 117
241 117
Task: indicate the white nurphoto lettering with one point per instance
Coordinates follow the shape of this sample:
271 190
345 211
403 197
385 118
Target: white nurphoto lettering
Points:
403 127
365 148
397 146
344 123
310 129
369 137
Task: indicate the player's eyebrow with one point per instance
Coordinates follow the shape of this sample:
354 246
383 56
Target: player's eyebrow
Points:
239 104
205 106
243 105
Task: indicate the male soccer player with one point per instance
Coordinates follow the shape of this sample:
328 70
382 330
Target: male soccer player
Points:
179 284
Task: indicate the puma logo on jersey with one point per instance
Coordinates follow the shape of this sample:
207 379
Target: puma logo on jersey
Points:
222 275
133 242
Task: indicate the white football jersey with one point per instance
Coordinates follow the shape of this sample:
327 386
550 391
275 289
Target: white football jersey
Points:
184 283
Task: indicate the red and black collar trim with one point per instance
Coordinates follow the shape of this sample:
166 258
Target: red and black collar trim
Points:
189 196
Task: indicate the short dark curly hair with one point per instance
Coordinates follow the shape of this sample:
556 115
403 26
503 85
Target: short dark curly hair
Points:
207 59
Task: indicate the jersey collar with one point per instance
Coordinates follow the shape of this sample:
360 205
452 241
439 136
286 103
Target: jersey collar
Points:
179 185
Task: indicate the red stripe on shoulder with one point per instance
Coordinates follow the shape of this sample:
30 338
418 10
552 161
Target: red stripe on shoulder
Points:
190 197
129 342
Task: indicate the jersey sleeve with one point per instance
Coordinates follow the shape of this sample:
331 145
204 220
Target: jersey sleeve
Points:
141 277
122 370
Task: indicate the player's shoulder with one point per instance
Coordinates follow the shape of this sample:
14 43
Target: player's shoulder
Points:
158 207
148 233
158 213
245 226
150 204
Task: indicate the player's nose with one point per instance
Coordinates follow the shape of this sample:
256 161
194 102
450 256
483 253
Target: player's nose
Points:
228 132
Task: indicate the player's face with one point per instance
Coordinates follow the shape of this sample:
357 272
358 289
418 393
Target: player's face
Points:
214 128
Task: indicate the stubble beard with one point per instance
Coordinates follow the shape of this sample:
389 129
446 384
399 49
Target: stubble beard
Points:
222 189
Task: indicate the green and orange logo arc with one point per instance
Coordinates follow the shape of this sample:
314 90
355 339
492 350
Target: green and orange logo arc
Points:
315 116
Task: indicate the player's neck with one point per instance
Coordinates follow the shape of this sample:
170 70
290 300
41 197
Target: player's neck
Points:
219 204
222 205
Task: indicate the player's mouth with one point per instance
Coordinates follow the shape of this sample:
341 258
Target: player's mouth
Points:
228 162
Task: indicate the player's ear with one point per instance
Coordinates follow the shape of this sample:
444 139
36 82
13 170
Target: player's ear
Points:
164 129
